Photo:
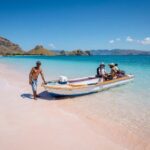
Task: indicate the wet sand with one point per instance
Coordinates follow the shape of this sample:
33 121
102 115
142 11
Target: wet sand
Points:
48 124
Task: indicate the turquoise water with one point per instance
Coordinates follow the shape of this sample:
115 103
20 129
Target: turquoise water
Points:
129 104
77 66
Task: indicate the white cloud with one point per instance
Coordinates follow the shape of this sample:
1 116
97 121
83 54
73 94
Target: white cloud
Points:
146 41
129 39
111 41
51 45
118 39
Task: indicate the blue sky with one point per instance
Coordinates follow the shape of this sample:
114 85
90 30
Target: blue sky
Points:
72 24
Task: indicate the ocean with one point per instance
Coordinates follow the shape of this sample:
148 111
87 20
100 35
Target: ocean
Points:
128 105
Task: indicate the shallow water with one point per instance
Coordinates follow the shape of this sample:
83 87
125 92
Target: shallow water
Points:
128 105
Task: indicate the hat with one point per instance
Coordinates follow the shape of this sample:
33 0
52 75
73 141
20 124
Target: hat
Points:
38 63
102 64
111 64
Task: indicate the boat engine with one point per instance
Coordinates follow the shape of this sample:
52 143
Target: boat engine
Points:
63 80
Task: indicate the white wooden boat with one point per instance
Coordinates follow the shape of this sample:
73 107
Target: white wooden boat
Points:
86 85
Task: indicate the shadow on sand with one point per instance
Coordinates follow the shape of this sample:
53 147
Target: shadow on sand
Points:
43 96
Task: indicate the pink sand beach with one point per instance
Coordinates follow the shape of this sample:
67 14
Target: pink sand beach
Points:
49 124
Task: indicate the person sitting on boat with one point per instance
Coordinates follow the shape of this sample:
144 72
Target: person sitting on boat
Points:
101 72
116 68
114 71
120 73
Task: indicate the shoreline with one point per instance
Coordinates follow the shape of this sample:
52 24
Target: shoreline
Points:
48 124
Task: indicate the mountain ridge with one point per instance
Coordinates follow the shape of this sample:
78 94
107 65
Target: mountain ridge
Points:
119 52
9 48
40 50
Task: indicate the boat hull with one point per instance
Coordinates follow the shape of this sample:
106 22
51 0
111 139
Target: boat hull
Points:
88 89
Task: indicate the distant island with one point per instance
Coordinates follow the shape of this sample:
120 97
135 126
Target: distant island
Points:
9 48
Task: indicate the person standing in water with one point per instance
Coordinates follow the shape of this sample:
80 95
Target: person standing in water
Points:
33 78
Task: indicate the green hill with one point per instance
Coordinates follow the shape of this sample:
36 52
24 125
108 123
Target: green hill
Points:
40 50
77 52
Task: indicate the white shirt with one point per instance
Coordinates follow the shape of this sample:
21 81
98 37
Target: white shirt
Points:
102 71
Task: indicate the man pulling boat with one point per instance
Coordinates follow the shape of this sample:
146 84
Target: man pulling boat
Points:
33 78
